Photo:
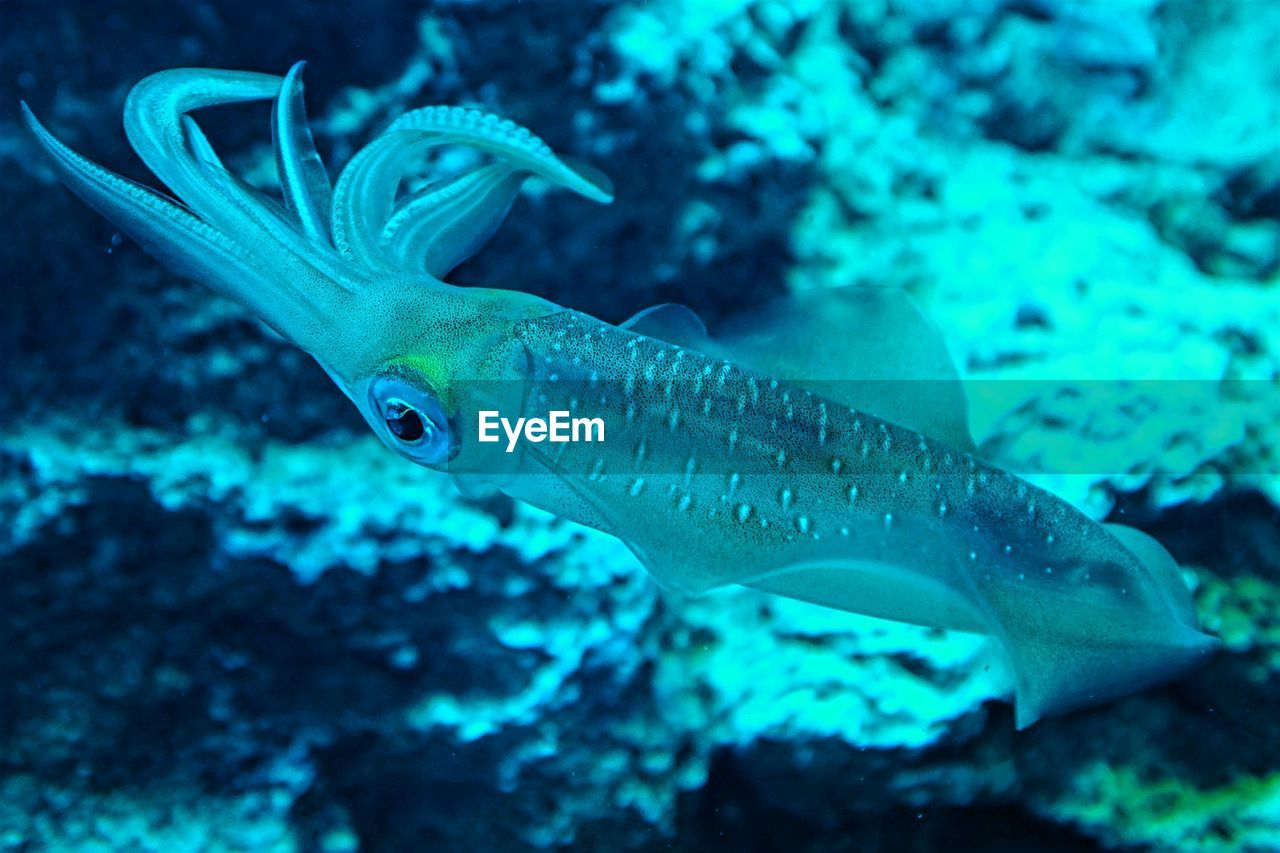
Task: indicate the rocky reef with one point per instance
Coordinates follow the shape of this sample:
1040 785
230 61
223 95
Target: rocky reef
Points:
232 621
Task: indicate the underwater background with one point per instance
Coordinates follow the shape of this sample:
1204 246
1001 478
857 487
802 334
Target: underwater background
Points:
231 620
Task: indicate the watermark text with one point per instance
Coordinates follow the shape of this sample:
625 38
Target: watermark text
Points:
556 427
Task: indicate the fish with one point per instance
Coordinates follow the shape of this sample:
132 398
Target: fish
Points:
815 447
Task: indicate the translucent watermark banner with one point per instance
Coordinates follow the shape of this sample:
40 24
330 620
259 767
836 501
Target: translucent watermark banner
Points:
739 423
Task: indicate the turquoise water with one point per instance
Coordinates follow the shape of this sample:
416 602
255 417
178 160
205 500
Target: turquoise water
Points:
232 620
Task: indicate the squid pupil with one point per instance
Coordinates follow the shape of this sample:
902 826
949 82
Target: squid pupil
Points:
406 424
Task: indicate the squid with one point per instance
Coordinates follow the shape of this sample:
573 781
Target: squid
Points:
815 448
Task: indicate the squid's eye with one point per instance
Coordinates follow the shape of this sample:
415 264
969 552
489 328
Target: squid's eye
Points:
405 422
416 423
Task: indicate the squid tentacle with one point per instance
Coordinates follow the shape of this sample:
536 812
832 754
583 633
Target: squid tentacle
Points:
153 123
511 142
308 192
365 193
166 230
440 227
364 198
199 143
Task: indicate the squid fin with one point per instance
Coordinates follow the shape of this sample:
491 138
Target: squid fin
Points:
868 348
671 322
